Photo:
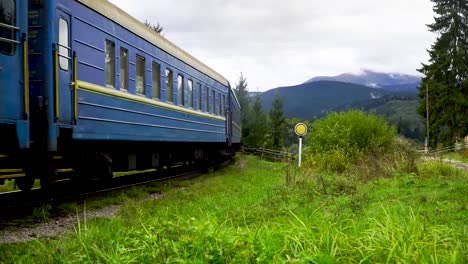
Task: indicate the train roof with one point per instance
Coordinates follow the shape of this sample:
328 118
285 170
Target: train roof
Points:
119 16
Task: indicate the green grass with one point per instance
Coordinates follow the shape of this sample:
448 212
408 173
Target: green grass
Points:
458 156
257 211
9 186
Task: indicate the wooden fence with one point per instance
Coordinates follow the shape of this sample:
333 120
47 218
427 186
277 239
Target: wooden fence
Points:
270 154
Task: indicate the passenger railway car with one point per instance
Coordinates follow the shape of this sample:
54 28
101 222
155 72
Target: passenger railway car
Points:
108 93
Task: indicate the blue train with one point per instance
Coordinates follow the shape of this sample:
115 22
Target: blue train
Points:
86 89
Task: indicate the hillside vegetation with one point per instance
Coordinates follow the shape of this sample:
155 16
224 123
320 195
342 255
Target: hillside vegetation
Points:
398 109
318 98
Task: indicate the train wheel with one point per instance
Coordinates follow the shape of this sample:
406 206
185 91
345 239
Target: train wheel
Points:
94 173
46 180
103 171
25 184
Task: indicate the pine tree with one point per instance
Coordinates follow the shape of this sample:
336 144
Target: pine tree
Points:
277 122
155 27
446 75
257 124
242 94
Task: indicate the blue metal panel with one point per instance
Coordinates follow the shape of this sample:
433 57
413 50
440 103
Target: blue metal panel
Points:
13 96
105 117
22 130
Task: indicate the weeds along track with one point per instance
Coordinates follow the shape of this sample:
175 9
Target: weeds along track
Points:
17 204
270 154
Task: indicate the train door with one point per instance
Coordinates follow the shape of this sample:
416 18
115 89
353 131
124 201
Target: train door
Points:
13 99
63 69
228 118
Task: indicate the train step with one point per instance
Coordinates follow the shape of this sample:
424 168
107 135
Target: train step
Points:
12 176
4 171
64 170
6 174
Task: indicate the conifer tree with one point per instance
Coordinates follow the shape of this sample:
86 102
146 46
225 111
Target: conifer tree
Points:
242 94
446 74
257 124
155 27
277 122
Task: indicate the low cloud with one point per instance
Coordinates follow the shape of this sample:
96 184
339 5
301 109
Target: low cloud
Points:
278 43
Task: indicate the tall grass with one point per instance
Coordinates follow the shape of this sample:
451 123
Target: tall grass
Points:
263 212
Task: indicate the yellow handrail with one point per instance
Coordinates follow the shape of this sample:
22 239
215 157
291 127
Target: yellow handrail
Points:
56 84
75 87
25 79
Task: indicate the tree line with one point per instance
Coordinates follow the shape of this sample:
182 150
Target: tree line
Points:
444 89
263 129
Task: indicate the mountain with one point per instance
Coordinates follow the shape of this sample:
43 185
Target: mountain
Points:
406 87
366 105
253 94
319 97
403 115
386 81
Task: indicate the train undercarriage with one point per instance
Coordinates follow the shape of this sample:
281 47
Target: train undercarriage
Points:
87 162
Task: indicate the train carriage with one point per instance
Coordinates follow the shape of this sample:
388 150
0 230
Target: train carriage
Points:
109 93
234 124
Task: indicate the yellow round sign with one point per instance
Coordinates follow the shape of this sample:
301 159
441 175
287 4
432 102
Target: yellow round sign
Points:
300 129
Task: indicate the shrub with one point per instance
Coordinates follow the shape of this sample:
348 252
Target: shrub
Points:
401 157
340 139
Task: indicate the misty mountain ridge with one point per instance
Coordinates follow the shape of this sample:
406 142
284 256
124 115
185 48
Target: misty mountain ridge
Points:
387 81
390 95
318 98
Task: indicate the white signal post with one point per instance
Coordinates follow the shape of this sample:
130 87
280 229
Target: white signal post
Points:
301 130
300 151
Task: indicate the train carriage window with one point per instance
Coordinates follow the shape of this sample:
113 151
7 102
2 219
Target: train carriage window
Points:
140 75
156 80
123 69
207 100
8 17
190 93
220 110
220 105
199 97
213 103
63 43
180 89
224 105
169 86
110 63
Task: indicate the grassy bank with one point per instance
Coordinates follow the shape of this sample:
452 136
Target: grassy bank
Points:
257 211
461 156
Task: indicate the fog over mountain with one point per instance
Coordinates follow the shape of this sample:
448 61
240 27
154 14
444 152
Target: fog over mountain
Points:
386 81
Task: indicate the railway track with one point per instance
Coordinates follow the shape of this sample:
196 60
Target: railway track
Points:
17 204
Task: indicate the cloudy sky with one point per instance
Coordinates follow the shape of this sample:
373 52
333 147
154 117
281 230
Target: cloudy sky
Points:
280 43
